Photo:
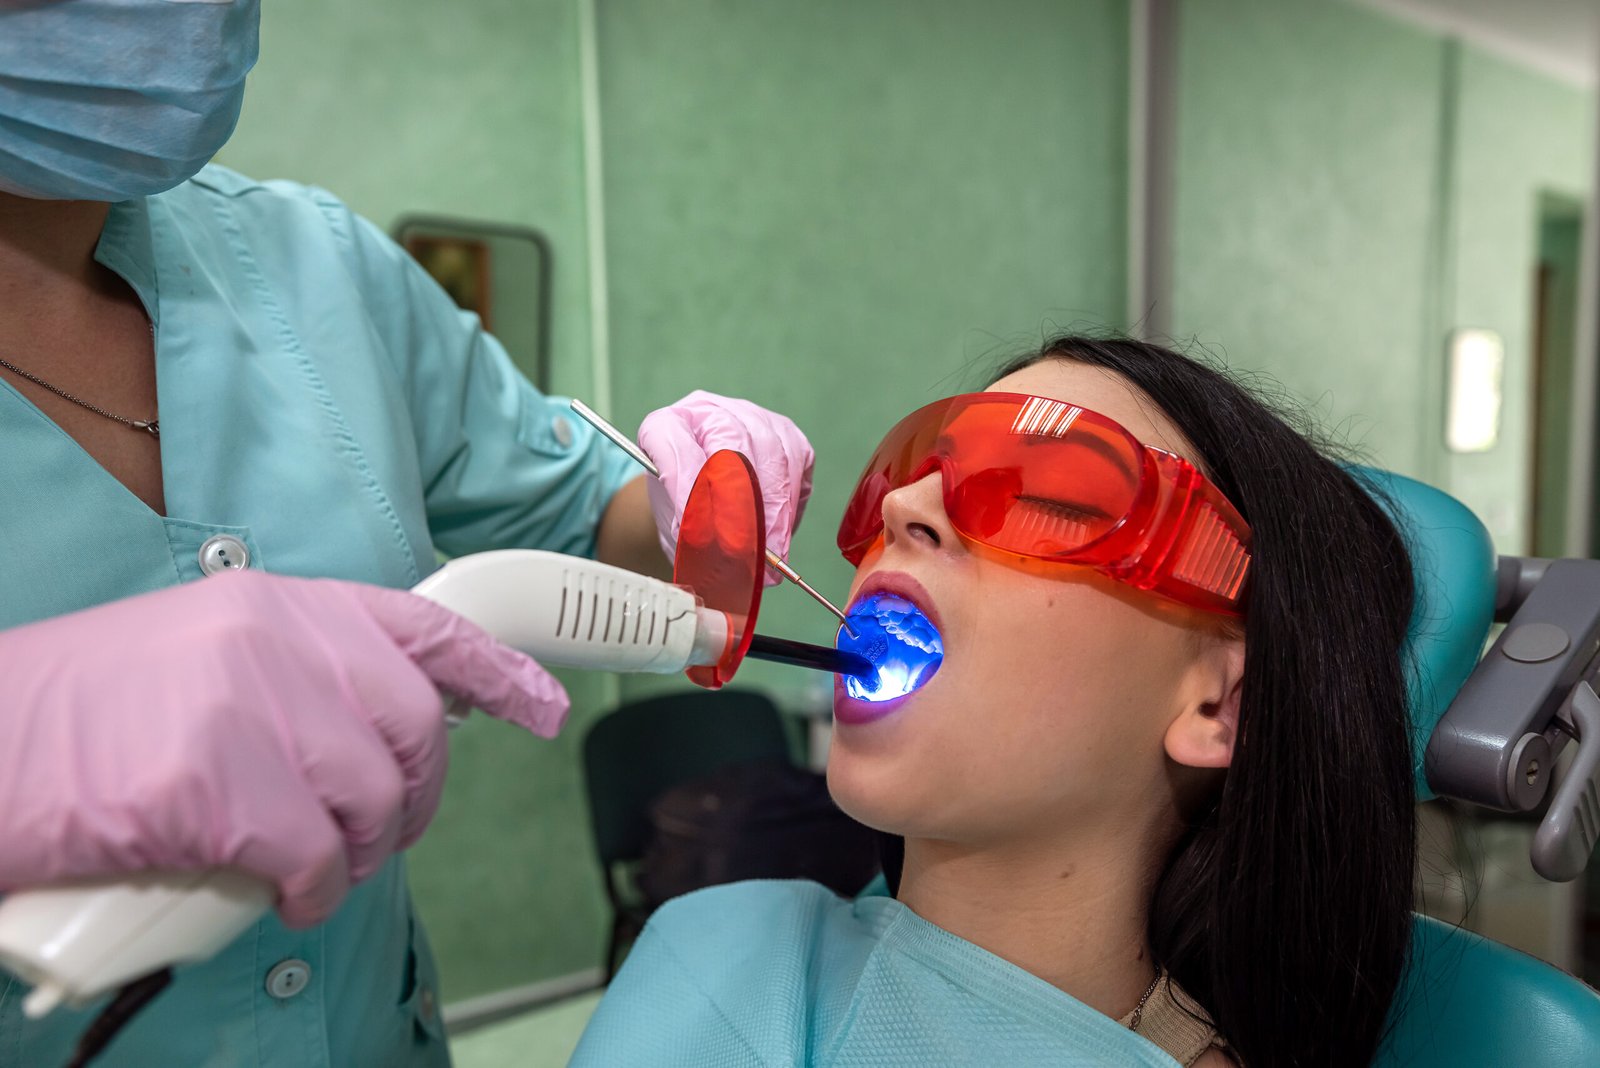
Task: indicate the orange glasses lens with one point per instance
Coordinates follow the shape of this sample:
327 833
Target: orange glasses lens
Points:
1022 474
1036 476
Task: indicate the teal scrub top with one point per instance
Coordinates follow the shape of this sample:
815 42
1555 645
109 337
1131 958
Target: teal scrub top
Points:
769 974
325 403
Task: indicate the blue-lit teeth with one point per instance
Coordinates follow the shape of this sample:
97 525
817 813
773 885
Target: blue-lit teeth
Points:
894 634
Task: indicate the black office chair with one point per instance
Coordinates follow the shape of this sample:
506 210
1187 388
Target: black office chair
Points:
644 748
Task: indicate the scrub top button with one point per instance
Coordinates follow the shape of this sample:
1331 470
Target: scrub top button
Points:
561 427
223 552
288 978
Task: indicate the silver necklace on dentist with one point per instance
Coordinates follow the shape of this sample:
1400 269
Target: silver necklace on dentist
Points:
149 426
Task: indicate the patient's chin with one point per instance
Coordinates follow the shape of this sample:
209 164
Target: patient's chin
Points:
873 794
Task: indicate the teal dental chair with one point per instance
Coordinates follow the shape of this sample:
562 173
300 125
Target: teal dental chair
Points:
1487 728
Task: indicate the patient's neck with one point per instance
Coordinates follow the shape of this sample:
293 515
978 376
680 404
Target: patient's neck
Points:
1076 919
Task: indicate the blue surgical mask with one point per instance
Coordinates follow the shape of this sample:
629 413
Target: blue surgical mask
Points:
116 99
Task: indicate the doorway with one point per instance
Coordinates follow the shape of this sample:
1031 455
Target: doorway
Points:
1555 328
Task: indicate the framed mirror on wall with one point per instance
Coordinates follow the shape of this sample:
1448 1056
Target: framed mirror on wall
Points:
499 272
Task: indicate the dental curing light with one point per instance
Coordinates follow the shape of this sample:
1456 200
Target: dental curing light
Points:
76 941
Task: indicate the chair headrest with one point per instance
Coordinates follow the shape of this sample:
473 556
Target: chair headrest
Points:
1453 568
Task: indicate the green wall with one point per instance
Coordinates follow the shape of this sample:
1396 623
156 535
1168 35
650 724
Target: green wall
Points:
1305 198
406 107
1349 189
842 209
1520 138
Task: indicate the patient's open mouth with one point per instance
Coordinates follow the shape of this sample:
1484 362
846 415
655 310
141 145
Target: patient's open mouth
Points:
897 636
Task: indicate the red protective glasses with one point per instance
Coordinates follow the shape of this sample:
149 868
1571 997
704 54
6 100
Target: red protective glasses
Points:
1046 479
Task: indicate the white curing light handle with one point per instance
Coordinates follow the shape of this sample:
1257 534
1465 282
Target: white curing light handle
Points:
565 611
76 941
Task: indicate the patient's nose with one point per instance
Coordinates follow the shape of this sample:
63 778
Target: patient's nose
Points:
915 514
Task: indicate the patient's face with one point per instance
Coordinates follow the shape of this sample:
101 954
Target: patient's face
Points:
1048 714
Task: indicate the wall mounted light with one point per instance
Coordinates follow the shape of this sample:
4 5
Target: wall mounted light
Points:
1477 369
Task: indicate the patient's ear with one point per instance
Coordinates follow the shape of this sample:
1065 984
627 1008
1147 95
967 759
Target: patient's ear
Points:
1203 733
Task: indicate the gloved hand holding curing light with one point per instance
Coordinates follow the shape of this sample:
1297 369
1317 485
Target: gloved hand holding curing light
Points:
291 728
678 439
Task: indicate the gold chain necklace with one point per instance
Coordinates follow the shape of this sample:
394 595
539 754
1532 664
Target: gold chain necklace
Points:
149 426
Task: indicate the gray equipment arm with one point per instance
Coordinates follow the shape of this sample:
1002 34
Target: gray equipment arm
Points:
1530 697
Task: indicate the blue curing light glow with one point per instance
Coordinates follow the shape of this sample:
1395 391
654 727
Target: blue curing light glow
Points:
893 633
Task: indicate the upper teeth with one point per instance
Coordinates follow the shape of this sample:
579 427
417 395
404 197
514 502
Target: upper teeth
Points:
904 620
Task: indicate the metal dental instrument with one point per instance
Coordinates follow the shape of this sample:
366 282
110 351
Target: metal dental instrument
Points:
621 441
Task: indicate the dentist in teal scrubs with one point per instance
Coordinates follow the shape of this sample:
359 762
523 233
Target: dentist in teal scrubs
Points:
201 373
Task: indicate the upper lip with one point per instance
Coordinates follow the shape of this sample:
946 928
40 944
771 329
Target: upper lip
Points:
901 585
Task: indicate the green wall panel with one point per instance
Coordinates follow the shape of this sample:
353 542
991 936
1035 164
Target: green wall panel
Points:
844 210
1306 173
404 107
1519 137
1350 189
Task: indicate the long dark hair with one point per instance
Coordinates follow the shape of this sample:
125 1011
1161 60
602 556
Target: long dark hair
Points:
1285 908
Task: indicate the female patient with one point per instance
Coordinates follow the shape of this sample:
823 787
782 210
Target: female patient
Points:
1152 807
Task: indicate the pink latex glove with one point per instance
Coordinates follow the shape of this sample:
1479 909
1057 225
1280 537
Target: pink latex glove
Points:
678 439
292 728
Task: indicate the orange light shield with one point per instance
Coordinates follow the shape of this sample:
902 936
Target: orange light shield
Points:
722 546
